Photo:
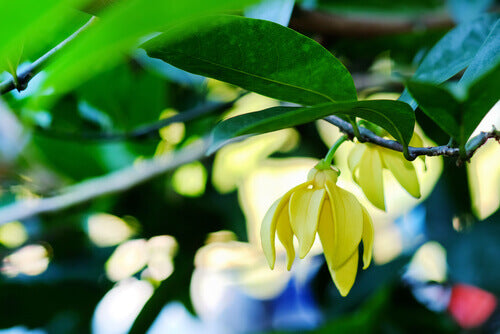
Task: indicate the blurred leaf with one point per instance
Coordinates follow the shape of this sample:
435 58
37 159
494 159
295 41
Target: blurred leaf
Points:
394 116
118 31
466 10
458 117
257 55
453 52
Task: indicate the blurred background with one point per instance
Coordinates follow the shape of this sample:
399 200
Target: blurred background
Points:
180 252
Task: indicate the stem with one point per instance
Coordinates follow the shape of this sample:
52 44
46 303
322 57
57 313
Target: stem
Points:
24 77
326 162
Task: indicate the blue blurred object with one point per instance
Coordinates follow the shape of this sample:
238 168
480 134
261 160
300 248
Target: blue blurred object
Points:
277 11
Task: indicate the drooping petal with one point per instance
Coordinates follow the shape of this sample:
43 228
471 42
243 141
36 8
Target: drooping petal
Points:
370 177
268 233
285 234
304 209
368 234
345 276
326 231
268 227
348 224
355 156
403 170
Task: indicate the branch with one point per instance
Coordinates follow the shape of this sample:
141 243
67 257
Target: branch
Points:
145 130
445 150
25 76
351 26
108 184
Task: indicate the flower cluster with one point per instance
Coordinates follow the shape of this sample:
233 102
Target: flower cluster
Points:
320 206
367 161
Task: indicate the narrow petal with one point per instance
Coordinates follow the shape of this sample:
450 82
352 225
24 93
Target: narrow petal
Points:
368 234
305 205
403 170
345 276
285 234
326 231
268 233
348 224
355 156
370 177
268 227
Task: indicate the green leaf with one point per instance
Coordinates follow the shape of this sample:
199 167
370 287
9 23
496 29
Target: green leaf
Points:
394 116
439 104
118 31
482 95
458 117
486 58
258 55
452 53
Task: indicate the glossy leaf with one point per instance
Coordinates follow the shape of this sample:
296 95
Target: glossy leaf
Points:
258 55
486 58
452 53
439 104
458 117
394 116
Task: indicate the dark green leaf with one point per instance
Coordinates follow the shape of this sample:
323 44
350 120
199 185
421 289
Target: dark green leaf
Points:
394 116
257 55
439 104
452 53
482 96
458 117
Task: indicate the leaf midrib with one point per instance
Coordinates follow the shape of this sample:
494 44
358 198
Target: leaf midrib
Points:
247 73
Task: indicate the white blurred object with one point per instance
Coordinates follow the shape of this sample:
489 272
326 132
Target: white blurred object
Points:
483 170
30 260
174 318
117 310
12 136
107 230
428 264
127 259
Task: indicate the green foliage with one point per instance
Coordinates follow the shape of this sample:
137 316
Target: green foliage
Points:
458 115
394 116
257 55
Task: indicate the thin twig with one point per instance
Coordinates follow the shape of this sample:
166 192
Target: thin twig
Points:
25 76
414 152
145 130
108 184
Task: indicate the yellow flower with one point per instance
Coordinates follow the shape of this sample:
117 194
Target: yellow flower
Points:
366 162
341 222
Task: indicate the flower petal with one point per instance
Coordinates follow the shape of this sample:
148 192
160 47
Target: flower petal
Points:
403 170
268 233
370 177
305 205
268 227
355 156
345 276
285 234
347 223
368 234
